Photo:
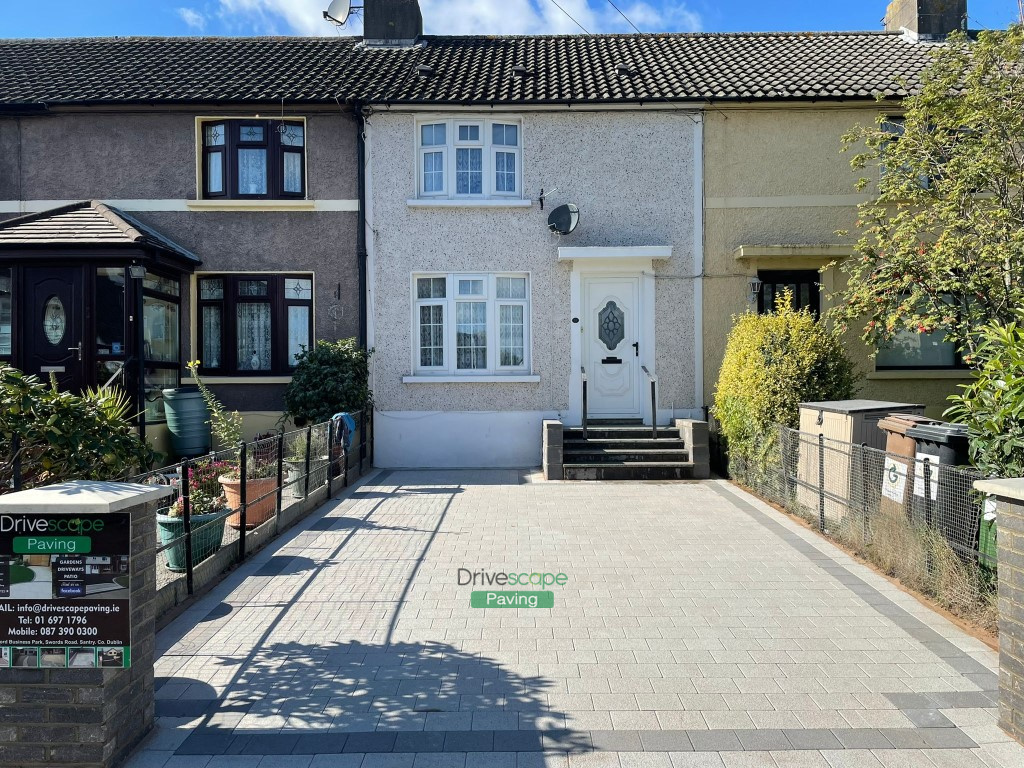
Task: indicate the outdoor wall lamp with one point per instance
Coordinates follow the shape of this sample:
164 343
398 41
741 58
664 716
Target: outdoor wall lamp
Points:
755 288
137 271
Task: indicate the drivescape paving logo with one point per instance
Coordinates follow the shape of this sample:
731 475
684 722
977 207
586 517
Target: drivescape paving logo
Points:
534 598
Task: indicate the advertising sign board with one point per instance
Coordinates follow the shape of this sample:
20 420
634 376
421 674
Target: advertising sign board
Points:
64 589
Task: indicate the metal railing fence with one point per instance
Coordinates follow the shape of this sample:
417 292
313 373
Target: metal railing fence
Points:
223 500
919 521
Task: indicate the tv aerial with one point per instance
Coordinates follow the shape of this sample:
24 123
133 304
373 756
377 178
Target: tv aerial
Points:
564 219
339 10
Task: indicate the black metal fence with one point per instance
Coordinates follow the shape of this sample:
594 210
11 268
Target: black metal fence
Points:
228 502
915 519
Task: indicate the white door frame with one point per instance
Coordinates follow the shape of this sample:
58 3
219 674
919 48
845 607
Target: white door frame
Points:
619 265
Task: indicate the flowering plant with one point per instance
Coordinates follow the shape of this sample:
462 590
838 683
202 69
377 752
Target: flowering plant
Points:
204 490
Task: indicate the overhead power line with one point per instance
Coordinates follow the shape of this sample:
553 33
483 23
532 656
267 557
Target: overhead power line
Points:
554 3
634 26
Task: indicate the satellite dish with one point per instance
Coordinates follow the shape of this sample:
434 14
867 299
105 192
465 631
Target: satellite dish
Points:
338 11
564 219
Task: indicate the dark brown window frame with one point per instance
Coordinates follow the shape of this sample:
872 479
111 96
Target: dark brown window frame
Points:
279 303
233 142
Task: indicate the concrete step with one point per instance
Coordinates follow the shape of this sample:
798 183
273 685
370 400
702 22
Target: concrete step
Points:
629 470
610 455
619 433
633 443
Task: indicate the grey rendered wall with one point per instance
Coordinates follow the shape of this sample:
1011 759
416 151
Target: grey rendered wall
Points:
151 155
632 176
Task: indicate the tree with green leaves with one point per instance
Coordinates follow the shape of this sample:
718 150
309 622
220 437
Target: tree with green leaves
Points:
941 243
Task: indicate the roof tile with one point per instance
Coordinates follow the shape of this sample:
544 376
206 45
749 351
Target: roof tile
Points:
564 68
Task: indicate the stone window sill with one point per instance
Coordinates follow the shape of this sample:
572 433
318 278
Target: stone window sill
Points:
483 203
251 205
485 379
909 373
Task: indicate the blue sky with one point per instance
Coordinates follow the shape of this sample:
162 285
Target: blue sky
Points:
64 18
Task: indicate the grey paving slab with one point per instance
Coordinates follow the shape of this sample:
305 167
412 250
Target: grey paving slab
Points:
700 623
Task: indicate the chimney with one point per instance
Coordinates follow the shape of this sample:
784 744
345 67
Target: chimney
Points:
926 19
392 23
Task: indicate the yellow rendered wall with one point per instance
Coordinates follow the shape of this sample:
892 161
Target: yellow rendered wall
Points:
775 176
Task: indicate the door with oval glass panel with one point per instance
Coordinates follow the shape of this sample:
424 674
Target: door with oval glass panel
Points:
53 324
611 346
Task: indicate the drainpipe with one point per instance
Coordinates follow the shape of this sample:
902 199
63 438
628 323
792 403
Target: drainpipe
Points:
361 255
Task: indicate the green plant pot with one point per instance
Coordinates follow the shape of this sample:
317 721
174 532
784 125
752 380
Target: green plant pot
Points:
205 541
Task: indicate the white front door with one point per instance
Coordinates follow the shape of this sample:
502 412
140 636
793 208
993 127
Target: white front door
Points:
611 346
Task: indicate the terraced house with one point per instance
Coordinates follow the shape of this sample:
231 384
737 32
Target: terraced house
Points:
173 199
525 229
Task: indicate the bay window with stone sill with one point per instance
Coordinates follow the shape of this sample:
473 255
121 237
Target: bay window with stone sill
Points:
471 324
253 159
253 324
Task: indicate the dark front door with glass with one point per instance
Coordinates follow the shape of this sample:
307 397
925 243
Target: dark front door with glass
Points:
803 284
54 309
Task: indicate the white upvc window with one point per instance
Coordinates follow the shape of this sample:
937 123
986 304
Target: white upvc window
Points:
471 324
433 159
469 158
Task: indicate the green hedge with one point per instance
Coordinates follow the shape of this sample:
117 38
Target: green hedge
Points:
772 363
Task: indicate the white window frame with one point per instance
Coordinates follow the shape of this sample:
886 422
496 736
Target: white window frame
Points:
489 150
424 150
516 151
449 318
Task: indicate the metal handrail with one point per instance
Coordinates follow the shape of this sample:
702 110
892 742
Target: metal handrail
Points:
583 372
654 401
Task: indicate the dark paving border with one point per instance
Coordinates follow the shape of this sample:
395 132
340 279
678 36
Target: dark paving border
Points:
215 741
969 668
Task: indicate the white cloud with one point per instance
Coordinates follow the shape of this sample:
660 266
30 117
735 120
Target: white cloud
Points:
467 17
192 18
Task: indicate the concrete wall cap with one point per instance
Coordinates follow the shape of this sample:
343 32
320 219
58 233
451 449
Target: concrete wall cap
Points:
77 496
1004 488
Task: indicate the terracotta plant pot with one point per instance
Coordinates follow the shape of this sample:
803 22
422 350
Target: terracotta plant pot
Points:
256 512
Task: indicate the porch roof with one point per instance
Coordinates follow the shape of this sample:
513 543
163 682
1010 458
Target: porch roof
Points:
88 224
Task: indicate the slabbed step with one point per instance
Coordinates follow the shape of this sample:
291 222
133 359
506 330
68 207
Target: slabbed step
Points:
605 455
619 433
648 470
625 442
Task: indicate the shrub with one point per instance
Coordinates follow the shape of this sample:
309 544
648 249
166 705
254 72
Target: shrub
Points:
226 425
992 406
773 362
64 436
332 377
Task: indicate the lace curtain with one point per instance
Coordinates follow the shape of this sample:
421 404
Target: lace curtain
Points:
212 333
252 171
253 336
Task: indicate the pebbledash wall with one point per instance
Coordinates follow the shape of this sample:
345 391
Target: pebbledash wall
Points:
144 161
635 175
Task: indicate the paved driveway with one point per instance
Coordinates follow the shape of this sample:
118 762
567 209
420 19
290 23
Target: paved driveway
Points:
695 627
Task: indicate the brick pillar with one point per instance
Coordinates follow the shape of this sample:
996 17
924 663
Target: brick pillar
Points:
1010 532
81 716
552 450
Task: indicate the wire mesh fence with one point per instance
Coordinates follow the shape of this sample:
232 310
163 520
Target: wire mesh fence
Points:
917 520
226 502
